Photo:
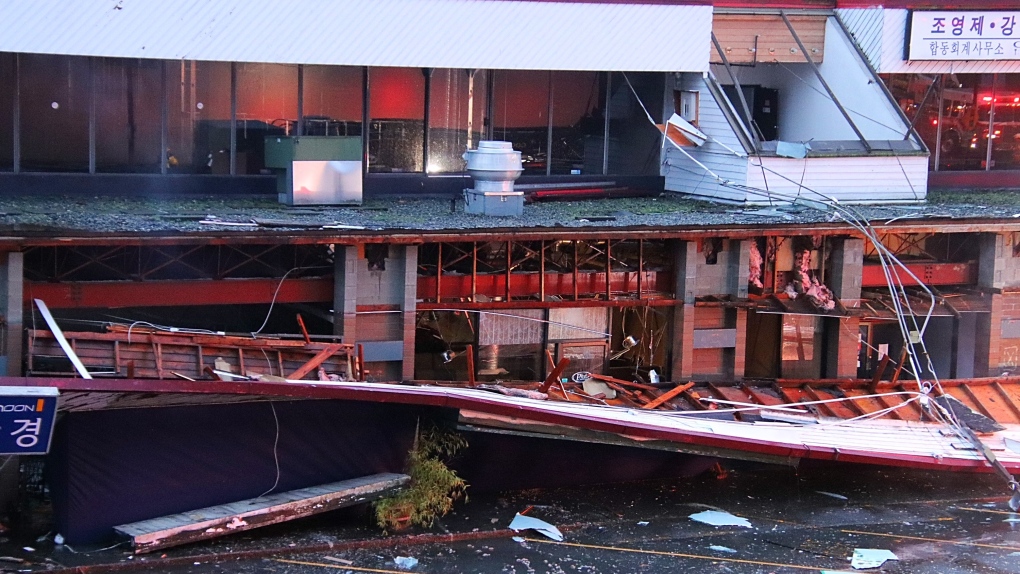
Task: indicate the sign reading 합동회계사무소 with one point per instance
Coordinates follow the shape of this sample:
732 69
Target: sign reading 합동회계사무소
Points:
963 35
27 415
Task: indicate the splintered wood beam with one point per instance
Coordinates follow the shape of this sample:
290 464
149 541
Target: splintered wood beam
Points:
470 352
668 395
315 361
899 367
215 521
608 379
554 376
878 373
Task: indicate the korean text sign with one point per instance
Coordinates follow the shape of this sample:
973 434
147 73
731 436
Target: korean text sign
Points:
27 415
963 35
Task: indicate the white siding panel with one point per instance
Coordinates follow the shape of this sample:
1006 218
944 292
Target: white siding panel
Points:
499 34
685 176
876 179
893 38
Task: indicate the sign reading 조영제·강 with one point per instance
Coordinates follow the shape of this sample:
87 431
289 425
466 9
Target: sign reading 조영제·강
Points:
963 35
27 415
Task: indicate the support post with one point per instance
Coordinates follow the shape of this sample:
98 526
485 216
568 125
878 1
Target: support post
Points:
843 333
11 299
345 292
409 310
685 273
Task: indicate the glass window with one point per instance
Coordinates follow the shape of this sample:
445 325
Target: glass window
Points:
332 100
54 112
128 114
7 69
521 114
397 108
456 117
266 106
634 145
198 100
578 123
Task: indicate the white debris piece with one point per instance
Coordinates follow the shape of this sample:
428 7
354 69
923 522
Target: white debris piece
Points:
870 557
718 548
720 518
832 494
405 562
521 522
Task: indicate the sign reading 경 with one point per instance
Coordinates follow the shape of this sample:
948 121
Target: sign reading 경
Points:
27 415
963 35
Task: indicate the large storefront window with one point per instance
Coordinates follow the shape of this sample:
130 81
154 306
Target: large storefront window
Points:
396 130
128 114
54 112
456 117
969 121
198 101
578 123
266 106
8 67
521 114
332 100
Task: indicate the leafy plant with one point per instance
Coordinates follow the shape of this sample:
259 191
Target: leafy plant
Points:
433 488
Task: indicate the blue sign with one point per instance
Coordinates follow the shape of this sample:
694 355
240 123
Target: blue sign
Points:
27 415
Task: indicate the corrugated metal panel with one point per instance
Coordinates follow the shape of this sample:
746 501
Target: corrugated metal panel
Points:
865 25
893 37
417 33
683 175
765 38
872 179
517 327
593 323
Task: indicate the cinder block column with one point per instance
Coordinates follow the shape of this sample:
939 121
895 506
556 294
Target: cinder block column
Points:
685 270
843 334
739 268
997 269
12 305
408 308
345 292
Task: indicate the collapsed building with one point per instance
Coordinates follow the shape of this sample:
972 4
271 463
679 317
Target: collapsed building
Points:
180 188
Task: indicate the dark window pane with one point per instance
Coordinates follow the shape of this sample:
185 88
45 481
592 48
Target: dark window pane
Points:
128 114
577 121
397 109
333 100
54 112
7 67
634 144
198 96
456 115
520 114
266 105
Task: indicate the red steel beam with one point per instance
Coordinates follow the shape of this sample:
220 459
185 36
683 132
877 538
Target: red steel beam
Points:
528 284
115 294
929 273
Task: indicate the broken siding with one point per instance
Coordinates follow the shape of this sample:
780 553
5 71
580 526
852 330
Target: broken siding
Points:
752 38
873 179
682 174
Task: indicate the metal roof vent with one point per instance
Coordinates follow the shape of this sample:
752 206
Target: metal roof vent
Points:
494 166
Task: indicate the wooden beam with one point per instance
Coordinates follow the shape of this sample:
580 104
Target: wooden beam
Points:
670 394
315 361
554 375
215 521
1007 399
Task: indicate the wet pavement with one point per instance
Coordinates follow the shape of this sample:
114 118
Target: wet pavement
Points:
806 520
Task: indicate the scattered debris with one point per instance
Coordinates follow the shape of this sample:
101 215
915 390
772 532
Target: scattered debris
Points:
338 560
643 523
513 392
718 548
596 218
521 522
792 149
405 562
720 518
870 558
